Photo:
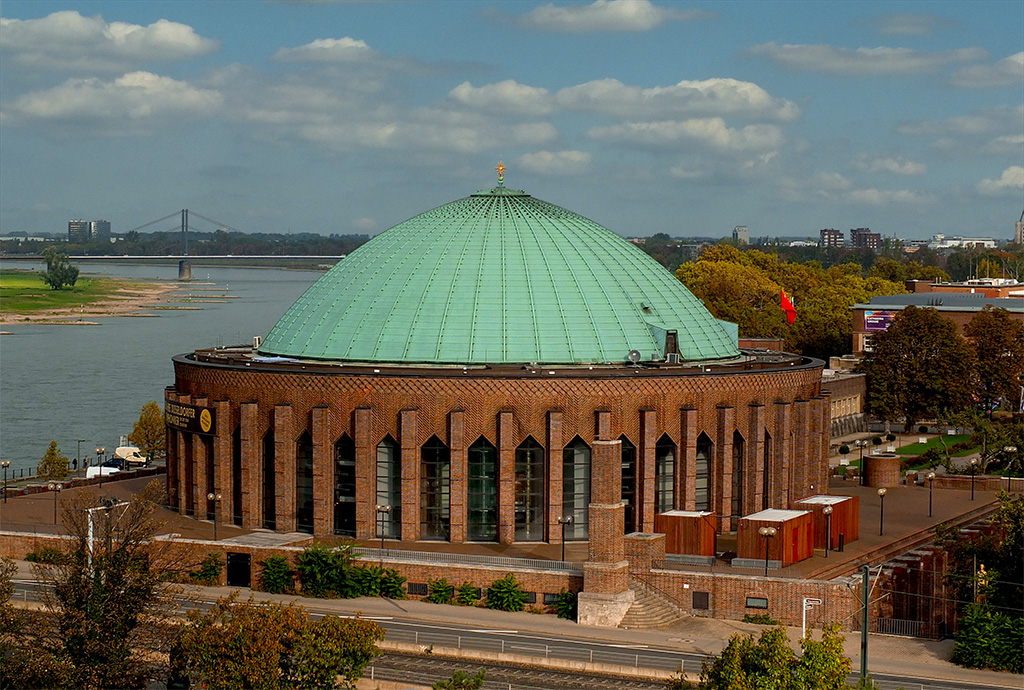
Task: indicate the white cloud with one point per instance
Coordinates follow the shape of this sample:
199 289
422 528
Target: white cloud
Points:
556 162
366 224
605 15
1007 72
862 61
136 102
1005 145
910 24
507 96
719 96
1003 121
882 197
898 165
1010 182
327 50
710 131
67 41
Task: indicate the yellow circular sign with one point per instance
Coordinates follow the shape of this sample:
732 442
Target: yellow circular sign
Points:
205 421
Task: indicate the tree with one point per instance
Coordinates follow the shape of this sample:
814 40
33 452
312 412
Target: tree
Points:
920 366
460 680
59 271
54 464
103 598
270 645
770 664
149 432
999 346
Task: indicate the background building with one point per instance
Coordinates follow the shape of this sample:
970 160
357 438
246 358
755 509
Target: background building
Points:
79 231
863 237
741 234
100 230
831 238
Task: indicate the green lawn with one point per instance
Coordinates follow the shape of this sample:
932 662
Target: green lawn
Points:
919 448
24 292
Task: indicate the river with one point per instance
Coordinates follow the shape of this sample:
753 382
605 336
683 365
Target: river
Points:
67 383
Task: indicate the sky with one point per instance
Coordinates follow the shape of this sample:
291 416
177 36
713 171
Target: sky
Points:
647 117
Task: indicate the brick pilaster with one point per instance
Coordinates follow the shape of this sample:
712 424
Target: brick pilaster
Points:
603 425
458 472
366 473
645 470
686 477
754 465
222 454
252 462
409 443
720 474
554 445
506 477
284 468
781 444
323 473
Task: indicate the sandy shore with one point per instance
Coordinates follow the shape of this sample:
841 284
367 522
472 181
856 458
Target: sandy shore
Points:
133 300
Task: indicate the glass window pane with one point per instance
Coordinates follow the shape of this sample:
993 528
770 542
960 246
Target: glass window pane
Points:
435 491
482 495
345 487
304 484
665 480
530 503
389 489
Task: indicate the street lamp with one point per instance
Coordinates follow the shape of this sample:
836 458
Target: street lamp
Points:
564 522
931 481
214 498
55 487
767 533
5 464
100 452
827 510
382 512
974 469
881 510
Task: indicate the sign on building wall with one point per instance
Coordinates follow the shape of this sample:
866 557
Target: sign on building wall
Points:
878 320
191 418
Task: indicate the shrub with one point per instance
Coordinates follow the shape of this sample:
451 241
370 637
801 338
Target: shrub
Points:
325 572
505 594
276 575
760 619
209 570
876 441
368 580
440 591
922 429
990 639
844 449
392 585
468 595
47 555
890 437
566 606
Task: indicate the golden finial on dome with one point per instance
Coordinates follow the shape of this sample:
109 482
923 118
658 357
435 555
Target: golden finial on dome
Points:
501 172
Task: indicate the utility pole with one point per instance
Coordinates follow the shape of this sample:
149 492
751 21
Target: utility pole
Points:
865 571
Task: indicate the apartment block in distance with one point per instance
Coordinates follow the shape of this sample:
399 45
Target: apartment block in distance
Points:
79 231
863 237
831 238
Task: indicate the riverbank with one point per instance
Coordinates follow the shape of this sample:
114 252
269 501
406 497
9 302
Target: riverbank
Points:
24 298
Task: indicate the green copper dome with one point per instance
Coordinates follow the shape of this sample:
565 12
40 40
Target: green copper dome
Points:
498 278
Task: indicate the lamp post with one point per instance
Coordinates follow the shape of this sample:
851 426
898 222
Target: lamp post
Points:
931 482
5 464
827 510
974 469
55 487
881 510
863 479
78 455
382 512
215 499
767 533
564 522
100 452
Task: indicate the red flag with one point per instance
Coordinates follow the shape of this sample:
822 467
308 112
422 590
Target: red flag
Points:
788 307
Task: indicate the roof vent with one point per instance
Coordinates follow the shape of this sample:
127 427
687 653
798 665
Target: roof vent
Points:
256 341
634 356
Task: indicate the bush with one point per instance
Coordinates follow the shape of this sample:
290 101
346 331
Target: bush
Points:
276 575
990 639
890 437
468 595
505 594
566 606
760 619
844 449
440 591
47 555
392 585
876 441
325 572
209 570
922 429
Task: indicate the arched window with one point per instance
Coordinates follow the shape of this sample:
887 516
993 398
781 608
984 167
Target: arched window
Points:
702 482
576 488
304 484
530 499
389 488
269 490
737 481
665 474
345 487
482 492
435 490
629 484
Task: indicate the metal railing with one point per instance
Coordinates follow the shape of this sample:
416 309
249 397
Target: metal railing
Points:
433 557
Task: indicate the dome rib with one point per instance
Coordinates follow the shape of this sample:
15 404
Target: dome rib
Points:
548 286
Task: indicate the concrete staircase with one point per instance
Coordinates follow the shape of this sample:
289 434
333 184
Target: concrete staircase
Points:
650 609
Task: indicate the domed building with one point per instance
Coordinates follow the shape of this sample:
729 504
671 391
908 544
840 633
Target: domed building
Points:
497 369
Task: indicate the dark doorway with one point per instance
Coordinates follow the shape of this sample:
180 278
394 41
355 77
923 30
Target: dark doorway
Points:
239 570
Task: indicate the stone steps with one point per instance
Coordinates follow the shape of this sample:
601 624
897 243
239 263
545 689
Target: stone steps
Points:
650 609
